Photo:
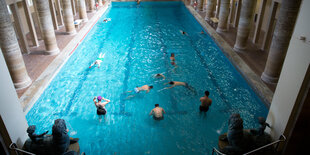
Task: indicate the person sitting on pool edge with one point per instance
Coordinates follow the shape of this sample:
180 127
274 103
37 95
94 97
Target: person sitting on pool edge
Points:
137 90
159 75
157 112
101 105
98 61
205 102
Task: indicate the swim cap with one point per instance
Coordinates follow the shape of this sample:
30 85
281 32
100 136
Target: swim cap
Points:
99 98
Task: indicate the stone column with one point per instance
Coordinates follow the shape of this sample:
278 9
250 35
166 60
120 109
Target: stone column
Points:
11 51
259 21
30 23
68 17
46 23
73 7
281 39
53 13
91 6
237 13
244 26
82 11
210 9
270 26
200 5
100 2
59 13
218 7
223 17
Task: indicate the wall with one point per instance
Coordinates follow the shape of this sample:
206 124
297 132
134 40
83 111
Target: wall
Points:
293 73
10 109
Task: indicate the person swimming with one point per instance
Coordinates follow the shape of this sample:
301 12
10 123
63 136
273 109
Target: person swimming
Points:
137 90
159 76
101 105
177 83
157 112
106 20
98 61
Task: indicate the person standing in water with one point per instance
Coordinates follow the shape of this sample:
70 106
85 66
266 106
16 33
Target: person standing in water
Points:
205 102
98 61
100 105
158 112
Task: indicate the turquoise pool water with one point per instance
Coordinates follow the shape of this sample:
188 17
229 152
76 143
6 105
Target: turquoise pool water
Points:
138 41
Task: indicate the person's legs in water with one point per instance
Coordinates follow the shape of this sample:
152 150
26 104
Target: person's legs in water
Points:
158 118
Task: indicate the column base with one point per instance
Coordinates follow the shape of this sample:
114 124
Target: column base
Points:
239 49
24 84
268 79
71 33
219 30
85 20
52 52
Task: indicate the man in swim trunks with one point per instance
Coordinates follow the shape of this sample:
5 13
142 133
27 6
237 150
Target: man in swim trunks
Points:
177 83
101 105
205 102
98 61
157 112
137 90
159 76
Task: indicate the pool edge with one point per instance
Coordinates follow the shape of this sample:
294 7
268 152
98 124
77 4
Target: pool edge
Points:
252 79
33 93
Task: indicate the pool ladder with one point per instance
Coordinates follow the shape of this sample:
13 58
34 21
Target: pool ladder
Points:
281 139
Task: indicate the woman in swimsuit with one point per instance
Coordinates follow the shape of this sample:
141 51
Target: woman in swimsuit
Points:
101 105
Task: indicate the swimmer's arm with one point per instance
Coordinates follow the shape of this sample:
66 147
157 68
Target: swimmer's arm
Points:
151 112
164 111
95 101
170 87
147 91
163 76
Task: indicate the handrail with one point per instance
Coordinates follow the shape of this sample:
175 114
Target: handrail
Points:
217 151
214 150
275 142
13 146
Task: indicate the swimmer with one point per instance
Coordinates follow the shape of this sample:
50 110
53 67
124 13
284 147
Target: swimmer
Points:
97 5
183 32
106 20
98 61
101 105
177 83
202 32
159 76
137 90
205 102
138 2
172 57
157 112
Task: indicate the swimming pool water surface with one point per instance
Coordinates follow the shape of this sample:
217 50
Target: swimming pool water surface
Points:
137 43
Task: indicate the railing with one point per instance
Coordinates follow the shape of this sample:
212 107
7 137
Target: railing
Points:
281 139
14 147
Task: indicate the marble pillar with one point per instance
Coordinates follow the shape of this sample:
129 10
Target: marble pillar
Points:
281 39
11 50
68 17
244 26
53 13
259 21
59 13
73 7
200 5
82 11
210 9
32 30
223 16
91 5
48 33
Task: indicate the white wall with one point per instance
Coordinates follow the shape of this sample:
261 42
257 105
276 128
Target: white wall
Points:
10 108
293 72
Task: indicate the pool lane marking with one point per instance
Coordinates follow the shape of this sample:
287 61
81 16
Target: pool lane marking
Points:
127 67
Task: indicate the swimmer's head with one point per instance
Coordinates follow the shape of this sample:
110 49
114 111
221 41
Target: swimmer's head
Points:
172 54
99 98
183 32
172 63
31 129
157 75
156 105
151 87
171 82
207 93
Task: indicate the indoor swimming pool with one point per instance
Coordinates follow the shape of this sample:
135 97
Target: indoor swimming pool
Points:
137 43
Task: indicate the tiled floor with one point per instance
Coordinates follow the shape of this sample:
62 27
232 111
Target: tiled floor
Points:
36 62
